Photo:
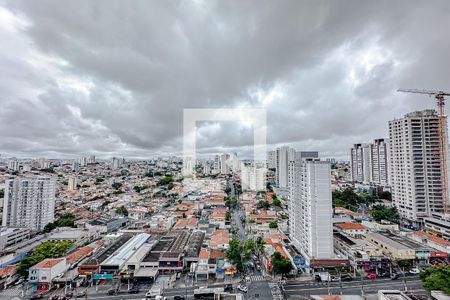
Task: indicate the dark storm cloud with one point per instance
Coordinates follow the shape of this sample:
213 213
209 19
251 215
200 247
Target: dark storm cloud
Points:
113 77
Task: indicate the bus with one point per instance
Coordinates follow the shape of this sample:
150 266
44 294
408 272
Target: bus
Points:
207 293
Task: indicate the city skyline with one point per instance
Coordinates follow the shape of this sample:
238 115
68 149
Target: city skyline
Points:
104 88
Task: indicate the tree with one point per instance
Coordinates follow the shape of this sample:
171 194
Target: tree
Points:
116 185
273 224
41 252
234 253
264 204
228 216
249 248
385 195
436 278
138 188
339 203
380 212
260 244
280 264
122 210
49 227
168 179
230 202
66 220
276 202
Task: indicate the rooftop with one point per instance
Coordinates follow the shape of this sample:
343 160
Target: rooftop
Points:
48 263
120 256
350 226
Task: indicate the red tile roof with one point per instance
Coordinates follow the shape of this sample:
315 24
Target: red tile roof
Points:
79 254
351 226
435 239
47 263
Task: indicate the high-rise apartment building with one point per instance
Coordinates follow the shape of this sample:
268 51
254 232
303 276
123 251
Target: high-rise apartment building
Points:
369 162
72 183
115 163
415 166
272 159
284 155
13 165
29 202
224 164
253 177
310 209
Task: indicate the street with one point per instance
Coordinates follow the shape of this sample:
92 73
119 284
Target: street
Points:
355 287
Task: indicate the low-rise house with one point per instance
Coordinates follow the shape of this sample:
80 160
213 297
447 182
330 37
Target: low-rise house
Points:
7 276
353 229
41 275
431 241
188 223
219 239
346 212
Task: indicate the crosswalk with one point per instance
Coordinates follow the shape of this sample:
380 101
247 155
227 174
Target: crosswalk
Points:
252 278
276 292
11 293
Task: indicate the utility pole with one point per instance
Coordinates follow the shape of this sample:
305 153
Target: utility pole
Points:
362 286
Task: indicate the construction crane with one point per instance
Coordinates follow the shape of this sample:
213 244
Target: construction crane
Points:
440 101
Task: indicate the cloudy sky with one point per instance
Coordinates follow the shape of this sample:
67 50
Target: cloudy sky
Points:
113 77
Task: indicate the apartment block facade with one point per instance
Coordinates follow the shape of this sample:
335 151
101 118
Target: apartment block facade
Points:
310 209
29 202
369 162
416 166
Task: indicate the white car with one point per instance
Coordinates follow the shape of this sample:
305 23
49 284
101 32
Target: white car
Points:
414 271
242 288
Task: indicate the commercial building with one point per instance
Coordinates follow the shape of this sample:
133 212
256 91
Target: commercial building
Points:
12 236
390 247
41 275
310 226
119 258
369 162
29 202
416 175
438 226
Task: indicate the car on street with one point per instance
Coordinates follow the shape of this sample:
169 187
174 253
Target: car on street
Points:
383 274
228 288
80 294
134 290
414 271
178 297
394 276
371 275
112 292
242 288
346 277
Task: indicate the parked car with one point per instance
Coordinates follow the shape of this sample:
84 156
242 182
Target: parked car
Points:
371 275
383 274
112 292
178 297
242 288
394 276
346 277
134 290
80 294
414 271
228 288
